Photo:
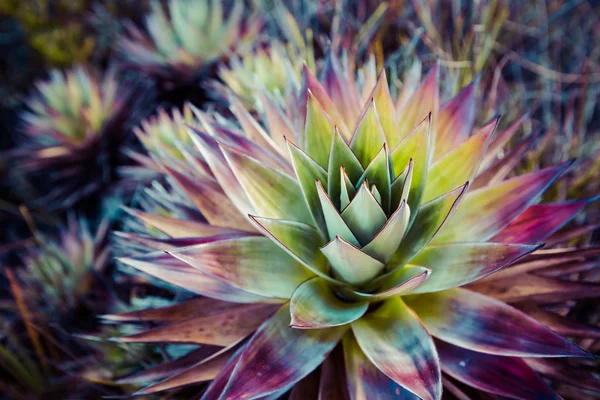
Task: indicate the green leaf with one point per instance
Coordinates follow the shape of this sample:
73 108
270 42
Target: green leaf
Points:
415 147
402 281
341 156
364 215
335 224
368 137
350 263
318 131
386 110
253 264
301 241
308 172
315 305
377 173
400 188
386 242
273 194
347 189
394 339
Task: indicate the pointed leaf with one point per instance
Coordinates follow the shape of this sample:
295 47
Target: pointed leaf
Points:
339 89
365 380
415 147
350 263
539 222
458 264
347 190
456 120
278 356
318 132
341 156
458 165
431 218
308 172
485 212
377 174
400 188
272 193
386 110
211 201
254 264
222 329
364 215
299 240
168 269
402 281
479 323
425 100
368 137
312 84
393 339
315 305
335 224
505 376
386 242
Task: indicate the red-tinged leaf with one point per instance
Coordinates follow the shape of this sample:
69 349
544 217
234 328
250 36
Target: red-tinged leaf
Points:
252 128
537 289
178 228
215 389
205 370
278 356
479 323
414 148
504 376
430 220
562 325
171 368
154 243
425 100
459 165
456 120
253 264
539 222
211 151
315 305
394 339
312 84
222 329
197 307
503 167
485 212
458 264
384 104
279 125
318 132
365 381
501 139
552 259
565 372
211 201
338 87
173 271
332 385
272 193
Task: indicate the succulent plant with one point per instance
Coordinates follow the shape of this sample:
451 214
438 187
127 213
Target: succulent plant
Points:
77 122
180 44
54 291
345 244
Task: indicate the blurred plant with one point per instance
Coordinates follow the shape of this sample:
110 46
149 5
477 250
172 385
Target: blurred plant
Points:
181 44
389 216
77 122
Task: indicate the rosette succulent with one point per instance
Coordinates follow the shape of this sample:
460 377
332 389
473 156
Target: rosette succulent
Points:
179 44
348 256
77 121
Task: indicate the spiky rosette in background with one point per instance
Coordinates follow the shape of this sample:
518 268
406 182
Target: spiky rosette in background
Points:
77 122
180 44
55 293
332 257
